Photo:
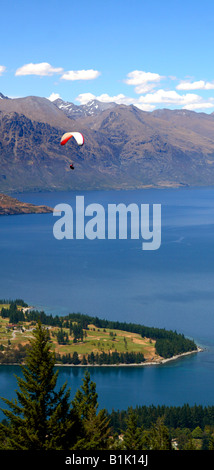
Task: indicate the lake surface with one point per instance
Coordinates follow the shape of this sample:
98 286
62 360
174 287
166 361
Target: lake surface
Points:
170 288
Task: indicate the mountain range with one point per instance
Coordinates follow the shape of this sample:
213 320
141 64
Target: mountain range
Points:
124 148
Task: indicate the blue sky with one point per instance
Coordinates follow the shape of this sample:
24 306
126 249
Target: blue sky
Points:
151 53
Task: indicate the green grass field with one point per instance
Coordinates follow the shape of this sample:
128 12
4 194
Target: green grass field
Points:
101 340
95 339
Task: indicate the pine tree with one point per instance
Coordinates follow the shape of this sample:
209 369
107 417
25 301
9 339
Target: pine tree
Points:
190 445
159 436
85 398
133 435
41 418
211 443
95 430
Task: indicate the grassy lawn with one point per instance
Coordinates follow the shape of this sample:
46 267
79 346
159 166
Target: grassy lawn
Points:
95 339
101 339
4 306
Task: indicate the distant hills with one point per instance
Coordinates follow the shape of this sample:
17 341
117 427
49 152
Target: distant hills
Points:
124 146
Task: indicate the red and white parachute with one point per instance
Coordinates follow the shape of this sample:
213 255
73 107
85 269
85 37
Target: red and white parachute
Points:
76 135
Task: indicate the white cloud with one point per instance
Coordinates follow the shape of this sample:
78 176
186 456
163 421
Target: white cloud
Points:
143 81
144 106
168 96
187 101
41 69
120 99
202 105
84 98
150 101
199 85
2 69
54 96
80 75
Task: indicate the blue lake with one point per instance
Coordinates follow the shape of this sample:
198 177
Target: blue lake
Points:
171 287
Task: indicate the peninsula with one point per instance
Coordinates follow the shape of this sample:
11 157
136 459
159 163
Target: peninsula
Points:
12 206
82 340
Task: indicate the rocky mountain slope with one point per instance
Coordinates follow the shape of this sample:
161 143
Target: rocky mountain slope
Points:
124 146
94 107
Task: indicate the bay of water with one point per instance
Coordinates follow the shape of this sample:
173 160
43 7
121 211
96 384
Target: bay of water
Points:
170 288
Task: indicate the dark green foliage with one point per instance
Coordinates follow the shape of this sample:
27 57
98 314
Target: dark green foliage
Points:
35 315
77 331
211 443
116 358
62 337
174 416
133 435
75 359
94 429
159 438
15 315
172 347
85 398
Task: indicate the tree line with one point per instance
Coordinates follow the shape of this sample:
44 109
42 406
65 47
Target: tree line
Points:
184 416
189 427
102 358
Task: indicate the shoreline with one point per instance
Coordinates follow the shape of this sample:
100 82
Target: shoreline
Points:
141 364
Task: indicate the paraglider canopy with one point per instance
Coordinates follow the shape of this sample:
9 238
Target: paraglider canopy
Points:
77 136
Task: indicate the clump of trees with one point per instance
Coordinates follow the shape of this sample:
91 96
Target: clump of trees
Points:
15 315
172 347
101 358
62 336
76 330
115 358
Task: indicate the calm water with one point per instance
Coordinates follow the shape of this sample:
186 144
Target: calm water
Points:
171 288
